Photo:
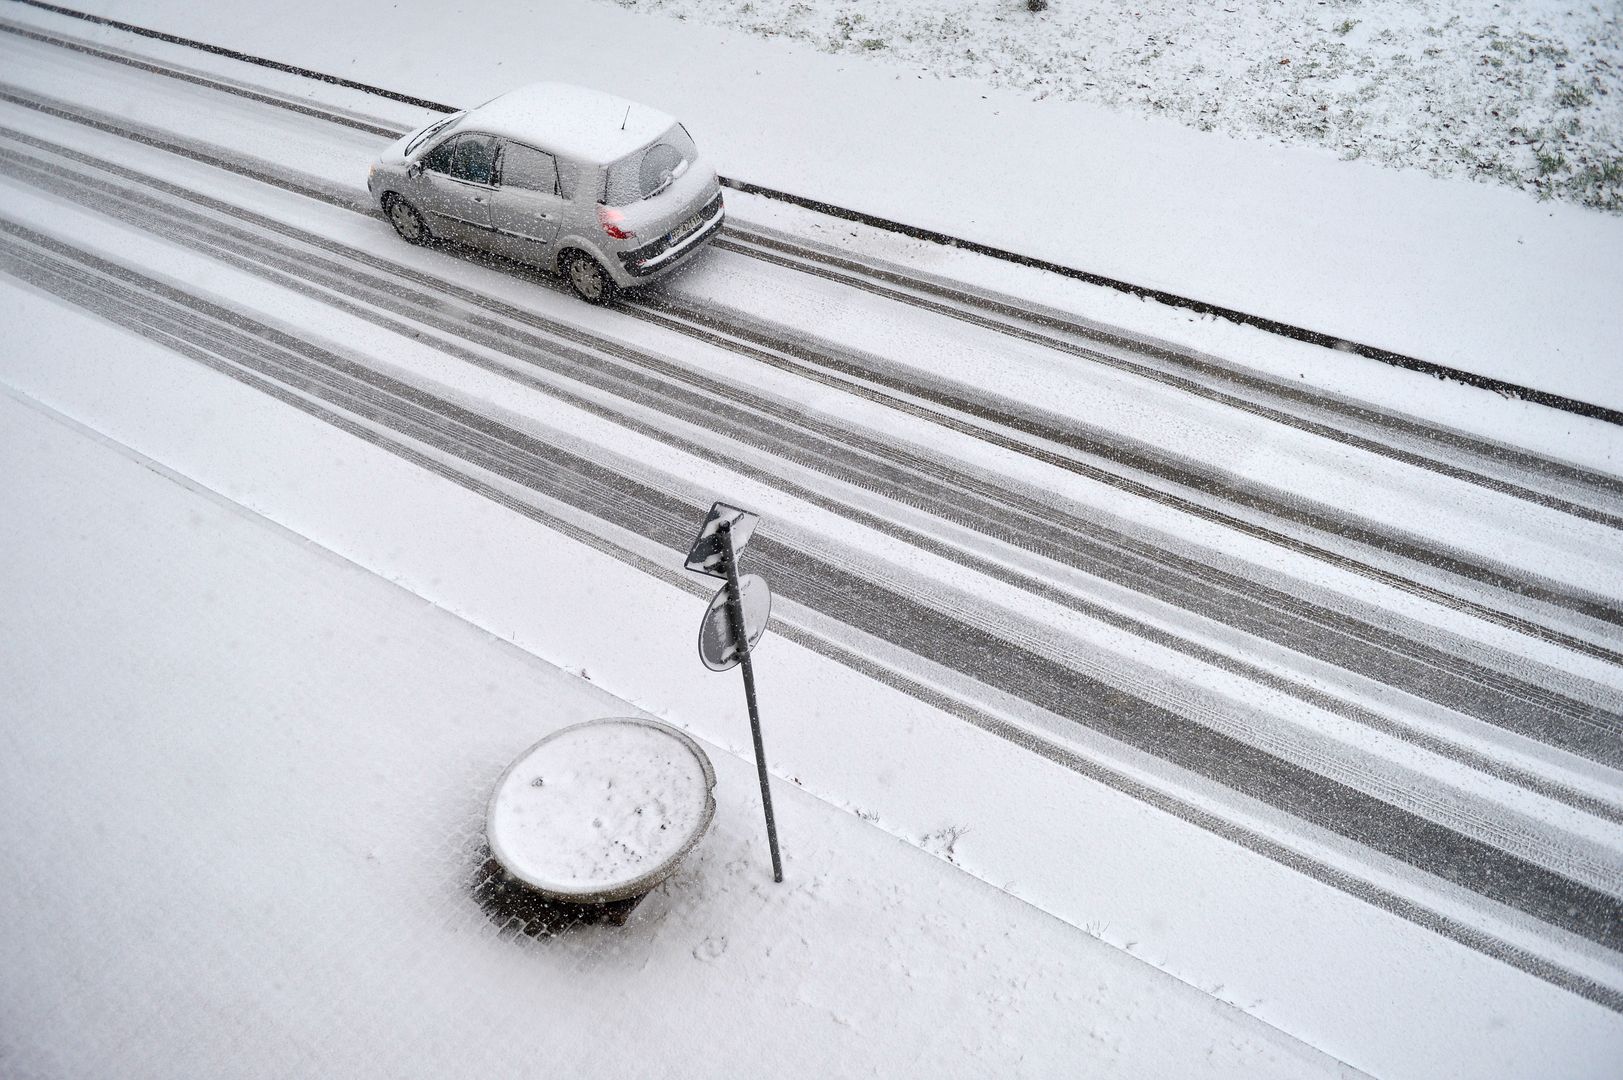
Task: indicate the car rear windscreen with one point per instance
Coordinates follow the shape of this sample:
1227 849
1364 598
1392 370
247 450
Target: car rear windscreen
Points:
649 171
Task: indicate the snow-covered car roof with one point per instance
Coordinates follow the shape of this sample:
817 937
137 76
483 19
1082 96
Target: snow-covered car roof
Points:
572 121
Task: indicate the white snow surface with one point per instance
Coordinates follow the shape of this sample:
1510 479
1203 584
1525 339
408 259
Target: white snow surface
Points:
597 808
575 121
1472 276
241 797
149 599
1349 979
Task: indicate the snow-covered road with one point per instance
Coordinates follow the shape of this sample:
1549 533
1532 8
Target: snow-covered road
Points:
1376 648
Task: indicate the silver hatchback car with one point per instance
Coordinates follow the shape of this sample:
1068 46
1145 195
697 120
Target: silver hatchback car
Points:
603 191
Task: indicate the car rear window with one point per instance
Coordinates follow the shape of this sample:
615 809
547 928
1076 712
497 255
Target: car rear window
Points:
649 171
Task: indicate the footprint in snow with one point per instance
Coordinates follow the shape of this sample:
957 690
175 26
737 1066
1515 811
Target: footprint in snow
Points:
710 949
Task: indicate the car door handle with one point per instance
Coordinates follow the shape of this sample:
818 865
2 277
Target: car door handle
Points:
478 198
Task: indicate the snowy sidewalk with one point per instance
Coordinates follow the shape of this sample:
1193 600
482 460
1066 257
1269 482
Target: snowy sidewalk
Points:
242 790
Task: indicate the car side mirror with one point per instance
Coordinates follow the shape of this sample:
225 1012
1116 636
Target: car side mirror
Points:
414 170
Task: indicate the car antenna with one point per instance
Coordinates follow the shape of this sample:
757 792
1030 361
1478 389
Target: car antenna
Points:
624 118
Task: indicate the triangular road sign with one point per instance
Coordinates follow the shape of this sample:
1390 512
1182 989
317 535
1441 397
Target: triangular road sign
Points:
705 557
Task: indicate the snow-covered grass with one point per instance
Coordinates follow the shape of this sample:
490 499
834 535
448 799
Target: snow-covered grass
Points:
1524 94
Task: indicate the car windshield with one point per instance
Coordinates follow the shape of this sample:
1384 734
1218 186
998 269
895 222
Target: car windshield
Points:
431 130
649 171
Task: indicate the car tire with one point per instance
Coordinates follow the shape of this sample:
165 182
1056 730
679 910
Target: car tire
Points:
589 280
406 220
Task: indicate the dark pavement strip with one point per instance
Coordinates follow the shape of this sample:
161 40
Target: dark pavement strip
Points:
934 487
133 299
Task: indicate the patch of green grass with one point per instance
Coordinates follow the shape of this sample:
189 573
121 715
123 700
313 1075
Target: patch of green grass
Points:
1345 26
1606 174
1599 184
1570 95
1550 162
873 43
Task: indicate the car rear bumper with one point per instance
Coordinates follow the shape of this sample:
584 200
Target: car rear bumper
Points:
662 255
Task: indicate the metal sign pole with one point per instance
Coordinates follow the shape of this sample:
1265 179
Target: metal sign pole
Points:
735 614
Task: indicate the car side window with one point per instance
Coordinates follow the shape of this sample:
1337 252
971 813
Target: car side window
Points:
529 169
439 159
569 174
473 158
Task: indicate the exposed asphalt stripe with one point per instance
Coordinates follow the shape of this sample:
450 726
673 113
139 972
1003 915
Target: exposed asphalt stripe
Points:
884 613
295 233
342 198
1273 326
1187 360
855 273
1183 742
1257 843
247 58
330 115
301 275
854 381
298 272
98 300
1274 615
858 275
968 307
1573 724
263 171
1143 457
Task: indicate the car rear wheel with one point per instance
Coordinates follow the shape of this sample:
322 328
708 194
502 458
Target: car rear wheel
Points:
407 221
589 280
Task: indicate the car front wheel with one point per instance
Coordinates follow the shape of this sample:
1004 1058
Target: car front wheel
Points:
589 280
408 222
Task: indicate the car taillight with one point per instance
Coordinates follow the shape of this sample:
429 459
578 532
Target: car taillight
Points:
610 219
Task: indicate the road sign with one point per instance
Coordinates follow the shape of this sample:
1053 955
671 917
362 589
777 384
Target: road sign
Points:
707 555
718 647
744 607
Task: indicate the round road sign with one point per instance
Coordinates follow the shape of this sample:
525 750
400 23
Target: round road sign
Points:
717 646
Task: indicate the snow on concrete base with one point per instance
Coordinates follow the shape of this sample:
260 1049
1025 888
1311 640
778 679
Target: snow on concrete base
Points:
601 810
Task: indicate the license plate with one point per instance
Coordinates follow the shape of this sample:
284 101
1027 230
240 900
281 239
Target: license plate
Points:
687 227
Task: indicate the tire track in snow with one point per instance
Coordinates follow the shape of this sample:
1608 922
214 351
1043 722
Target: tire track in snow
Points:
854 456
92 295
1584 493
348 200
1272 326
1130 464
151 306
1322 413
